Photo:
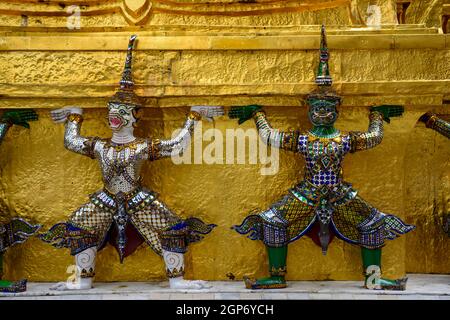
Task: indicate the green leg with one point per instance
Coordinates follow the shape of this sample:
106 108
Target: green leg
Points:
8 286
371 257
277 269
3 283
372 272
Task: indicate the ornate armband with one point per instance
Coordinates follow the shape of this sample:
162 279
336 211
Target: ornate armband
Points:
431 121
375 115
154 150
87 273
89 146
290 140
260 116
75 117
357 141
193 115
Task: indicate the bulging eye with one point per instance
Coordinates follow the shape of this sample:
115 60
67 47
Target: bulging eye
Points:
122 112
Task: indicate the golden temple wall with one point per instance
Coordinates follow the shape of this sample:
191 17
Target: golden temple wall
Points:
194 58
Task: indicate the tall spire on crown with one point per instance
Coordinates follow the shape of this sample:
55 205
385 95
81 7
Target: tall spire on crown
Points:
323 77
127 83
125 93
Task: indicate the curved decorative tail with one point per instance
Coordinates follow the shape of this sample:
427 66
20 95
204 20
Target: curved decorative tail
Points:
17 231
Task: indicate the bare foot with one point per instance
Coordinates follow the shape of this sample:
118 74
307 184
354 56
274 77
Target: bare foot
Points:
180 283
81 284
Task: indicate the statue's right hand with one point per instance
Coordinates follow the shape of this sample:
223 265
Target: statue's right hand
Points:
60 115
388 111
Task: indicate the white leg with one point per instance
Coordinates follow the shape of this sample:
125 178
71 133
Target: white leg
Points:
175 270
82 273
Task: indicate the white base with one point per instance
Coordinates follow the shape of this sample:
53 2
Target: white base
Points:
419 286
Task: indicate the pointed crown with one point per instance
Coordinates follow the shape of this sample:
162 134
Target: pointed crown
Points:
323 77
125 94
324 95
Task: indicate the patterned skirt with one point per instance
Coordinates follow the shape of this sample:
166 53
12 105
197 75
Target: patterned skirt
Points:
354 221
149 221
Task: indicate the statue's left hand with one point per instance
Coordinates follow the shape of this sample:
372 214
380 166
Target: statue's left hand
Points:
243 113
388 111
209 112
19 117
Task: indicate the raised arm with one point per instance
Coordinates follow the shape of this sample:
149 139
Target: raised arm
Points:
175 145
73 141
270 136
18 117
432 121
366 140
168 147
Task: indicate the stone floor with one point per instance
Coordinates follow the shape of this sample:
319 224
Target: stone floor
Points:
420 286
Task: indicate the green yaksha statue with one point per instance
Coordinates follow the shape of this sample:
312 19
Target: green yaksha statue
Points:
13 230
323 205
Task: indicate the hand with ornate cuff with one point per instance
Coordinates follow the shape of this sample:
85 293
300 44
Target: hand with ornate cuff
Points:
243 113
388 111
61 115
124 212
433 121
170 147
19 117
207 112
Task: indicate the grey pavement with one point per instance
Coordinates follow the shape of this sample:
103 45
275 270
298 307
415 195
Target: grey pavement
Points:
419 287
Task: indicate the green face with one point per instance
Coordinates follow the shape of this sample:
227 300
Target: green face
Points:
120 116
322 113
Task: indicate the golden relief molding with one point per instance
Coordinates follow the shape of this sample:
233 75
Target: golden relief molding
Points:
238 8
111 41
138 12
430 88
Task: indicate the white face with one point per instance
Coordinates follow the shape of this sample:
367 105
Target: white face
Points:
120 116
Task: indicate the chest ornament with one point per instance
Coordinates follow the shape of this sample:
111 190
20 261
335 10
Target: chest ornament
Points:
325 140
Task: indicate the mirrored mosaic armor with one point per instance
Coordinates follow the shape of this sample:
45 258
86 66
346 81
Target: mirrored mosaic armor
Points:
124 213
323 196
93 223
323 205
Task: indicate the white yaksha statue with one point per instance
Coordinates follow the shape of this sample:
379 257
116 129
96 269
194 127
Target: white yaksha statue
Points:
124 213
